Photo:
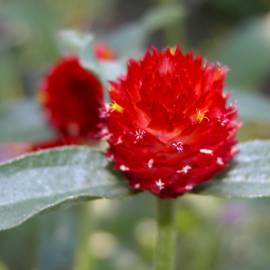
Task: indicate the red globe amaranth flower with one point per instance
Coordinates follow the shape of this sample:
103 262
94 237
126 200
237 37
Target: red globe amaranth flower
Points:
73 100
169 126
103 52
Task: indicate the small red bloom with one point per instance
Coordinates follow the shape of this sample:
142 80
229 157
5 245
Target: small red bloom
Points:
103 52
73 100
169 126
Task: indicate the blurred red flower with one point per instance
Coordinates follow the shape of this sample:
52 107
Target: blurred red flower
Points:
72 98
169 126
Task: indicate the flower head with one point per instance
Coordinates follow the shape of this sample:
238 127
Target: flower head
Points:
103 52
169 126
73 100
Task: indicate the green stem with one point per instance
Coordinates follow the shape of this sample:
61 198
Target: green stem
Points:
165 246
83 260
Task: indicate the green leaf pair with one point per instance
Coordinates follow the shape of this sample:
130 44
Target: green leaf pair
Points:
44 180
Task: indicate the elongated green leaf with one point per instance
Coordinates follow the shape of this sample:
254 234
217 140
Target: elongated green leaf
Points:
83 44
246 51
249 175
22 121
252 107
130 40
45 179
72 42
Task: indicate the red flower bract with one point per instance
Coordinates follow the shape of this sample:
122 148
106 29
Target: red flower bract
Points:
104 52
73 100
169 126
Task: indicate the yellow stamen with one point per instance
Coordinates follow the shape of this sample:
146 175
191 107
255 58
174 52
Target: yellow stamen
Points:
172 50
42 96
200 116
116 107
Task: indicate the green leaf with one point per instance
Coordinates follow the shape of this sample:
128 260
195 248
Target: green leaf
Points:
248 176
83 44
46 179
246 51
72 42
105 70
22 121
130 40
252 107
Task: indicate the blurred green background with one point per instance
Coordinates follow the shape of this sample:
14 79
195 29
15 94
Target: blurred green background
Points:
213 233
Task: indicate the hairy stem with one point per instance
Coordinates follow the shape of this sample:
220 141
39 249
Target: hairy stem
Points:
165 246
